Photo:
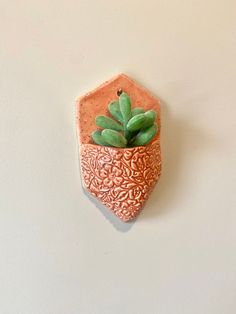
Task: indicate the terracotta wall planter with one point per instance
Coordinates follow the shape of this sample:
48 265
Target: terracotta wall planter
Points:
121 178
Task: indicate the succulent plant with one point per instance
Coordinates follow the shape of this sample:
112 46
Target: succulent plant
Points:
128 127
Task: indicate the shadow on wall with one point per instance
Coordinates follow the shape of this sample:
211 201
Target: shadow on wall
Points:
115 221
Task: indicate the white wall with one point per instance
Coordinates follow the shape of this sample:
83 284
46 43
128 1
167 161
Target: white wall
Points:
60 254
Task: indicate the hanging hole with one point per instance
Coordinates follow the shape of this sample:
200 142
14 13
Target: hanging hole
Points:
119 92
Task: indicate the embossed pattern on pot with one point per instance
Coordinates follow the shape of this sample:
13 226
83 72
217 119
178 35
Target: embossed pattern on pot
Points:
122 179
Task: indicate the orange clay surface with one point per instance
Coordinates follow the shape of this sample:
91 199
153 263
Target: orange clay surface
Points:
120 178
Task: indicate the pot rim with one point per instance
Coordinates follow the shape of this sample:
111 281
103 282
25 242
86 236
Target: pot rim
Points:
123 148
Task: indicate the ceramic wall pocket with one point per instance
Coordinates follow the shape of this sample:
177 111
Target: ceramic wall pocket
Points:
118 127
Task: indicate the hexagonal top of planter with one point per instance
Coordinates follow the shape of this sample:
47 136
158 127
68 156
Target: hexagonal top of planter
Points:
95 103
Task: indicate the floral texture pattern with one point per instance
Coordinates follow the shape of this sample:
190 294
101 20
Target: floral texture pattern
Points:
122 179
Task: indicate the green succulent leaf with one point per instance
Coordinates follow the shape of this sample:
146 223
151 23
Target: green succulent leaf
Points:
114 109
136 111
114 138
125 107
136 123
108 123
150 118
145 136
98 138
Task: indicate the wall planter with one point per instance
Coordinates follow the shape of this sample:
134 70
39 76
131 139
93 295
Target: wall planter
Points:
122 178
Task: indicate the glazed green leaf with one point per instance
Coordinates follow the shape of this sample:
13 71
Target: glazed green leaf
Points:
136 123
114 109
98 138
108 123
125 107
150 118
136 111
145 136
114 138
